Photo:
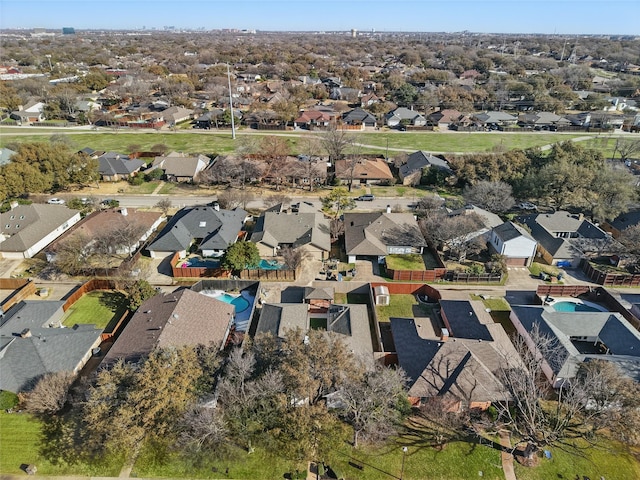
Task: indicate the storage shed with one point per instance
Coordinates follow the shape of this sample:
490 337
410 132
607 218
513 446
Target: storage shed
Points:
382 295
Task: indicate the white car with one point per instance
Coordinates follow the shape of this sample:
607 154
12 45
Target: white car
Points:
55 201
527 206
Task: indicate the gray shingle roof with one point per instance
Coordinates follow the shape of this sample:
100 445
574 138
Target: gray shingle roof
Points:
616 333
175 319
509 230
112 163
274 228
26 225
217 228
372 233
48 349
419 160
464 321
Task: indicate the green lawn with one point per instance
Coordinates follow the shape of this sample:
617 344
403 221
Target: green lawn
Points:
21 437
318 323
97 307
536 268
158 461
222 143
401 306
460 142
409 261
606 460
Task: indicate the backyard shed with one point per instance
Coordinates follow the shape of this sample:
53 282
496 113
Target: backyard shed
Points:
382 295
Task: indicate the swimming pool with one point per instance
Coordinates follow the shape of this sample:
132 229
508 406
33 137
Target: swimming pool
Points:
571 306
196 262
269 265
240 303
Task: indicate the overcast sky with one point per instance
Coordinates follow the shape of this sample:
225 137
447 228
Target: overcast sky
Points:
493 16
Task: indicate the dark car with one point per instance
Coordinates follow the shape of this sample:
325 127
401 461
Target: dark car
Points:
366 198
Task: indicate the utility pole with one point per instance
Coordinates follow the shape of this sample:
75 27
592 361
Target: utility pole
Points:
233 126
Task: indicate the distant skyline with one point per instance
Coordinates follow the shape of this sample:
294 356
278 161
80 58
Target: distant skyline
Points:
621 17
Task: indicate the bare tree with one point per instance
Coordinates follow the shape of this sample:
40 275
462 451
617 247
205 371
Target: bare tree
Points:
336 143
277 198
124 237
202 428
452 233
50 393
294 257
336 227
494 196
164 205
232 198
73 254
369 404
627 147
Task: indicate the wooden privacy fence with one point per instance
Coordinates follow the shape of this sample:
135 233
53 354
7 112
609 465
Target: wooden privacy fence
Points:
417 275
609 279
22 289
452 276
260 274
91 285
562 290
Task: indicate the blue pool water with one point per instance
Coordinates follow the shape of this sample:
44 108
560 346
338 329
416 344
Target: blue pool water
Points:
573 307
269 265
200 263
240 303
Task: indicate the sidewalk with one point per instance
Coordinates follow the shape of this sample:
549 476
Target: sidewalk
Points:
507 458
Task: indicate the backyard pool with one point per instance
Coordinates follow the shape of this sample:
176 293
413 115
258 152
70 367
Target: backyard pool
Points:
197 262
576 306
269 265
242 304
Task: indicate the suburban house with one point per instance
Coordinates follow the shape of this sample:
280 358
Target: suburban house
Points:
358 116
457 365
307 229
369 99
32 344
314 119
404 116
376 235
350 323
27 229
444 118
112 219
565 238
347 94
411 171
176 319
208 230
174 115
488 220
542 121
580 336
363 171
494 118
623 221
31 112
514 243
114 166
180 168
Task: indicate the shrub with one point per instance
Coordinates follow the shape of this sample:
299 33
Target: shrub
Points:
136 180
8 400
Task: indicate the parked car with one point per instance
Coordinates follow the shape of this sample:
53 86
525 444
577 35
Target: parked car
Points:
366 198
55 201
527 206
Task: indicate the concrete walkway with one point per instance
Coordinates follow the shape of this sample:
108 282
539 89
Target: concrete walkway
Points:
507 458
158 188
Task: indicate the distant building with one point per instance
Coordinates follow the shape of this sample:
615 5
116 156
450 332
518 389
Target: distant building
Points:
68 31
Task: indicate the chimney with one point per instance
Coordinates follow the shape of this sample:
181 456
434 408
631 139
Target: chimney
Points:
388 208
581 216
13 205
444 334
216 207
124 212
26 333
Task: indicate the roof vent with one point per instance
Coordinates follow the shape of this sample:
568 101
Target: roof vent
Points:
26 333
203 224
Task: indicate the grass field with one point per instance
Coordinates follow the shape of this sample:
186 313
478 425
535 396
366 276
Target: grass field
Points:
410 261
605 460
98 308
21 442
222 143
401 306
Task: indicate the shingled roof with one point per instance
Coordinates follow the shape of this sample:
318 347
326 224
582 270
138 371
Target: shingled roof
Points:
46 348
